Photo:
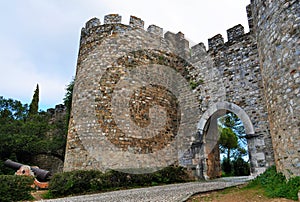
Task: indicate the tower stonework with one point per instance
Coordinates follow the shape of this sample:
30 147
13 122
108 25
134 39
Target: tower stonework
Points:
130 94
143 100
277 27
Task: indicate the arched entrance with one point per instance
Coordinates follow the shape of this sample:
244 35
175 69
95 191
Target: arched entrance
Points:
208 132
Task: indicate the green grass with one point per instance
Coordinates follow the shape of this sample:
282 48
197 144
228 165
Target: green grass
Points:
275 185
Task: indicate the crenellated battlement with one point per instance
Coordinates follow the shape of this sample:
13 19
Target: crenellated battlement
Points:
94 30
153 29
215 42
235 33
112 19
198 49
94 22
136 22
178 41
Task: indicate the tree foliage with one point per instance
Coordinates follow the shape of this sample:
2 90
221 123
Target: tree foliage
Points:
231 120
228 141
24 134
233 143
34 105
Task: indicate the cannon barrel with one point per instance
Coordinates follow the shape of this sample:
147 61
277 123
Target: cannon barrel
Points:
40 174
12 164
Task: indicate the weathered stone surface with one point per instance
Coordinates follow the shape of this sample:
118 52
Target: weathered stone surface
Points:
250 74
277 26
130 98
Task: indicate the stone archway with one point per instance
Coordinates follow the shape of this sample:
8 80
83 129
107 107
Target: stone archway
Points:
207 128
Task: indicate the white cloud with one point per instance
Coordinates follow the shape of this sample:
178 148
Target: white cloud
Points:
39 39
19 77
198 20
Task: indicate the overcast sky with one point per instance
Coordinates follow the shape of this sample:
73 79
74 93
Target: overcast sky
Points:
39 39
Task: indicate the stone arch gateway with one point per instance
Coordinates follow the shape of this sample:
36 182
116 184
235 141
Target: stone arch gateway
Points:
208 131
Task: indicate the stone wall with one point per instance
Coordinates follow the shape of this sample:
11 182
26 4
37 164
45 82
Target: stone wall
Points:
53 162
142 101
132 108
276 24
250 74
235 80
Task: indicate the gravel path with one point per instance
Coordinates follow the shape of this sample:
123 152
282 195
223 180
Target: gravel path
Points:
172 193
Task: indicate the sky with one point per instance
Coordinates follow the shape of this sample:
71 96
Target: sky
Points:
39 39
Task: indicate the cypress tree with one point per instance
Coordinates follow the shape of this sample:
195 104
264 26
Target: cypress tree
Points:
34 105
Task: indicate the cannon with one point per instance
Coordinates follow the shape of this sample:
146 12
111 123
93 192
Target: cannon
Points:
41 176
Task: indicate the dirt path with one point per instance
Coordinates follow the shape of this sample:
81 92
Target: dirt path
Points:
236 194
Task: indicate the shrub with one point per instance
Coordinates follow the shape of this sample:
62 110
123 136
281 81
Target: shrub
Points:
292 187
226 166
79 182
276 185
15 188
171 175
240 167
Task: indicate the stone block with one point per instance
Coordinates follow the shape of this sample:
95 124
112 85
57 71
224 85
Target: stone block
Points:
112 19
136 22
94 22
153 29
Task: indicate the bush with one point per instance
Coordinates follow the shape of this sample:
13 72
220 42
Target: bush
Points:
80 182
15 188
240 167
236 167
226 166
170 175
276 185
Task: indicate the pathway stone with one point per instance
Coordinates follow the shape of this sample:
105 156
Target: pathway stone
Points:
166 193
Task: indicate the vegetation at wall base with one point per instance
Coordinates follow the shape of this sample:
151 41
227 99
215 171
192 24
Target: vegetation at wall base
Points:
15 188
82 182
276 185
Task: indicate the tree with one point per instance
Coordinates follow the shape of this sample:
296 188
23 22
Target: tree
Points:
22 138
12 116
233 143
228 141
231 120
34 105
240 167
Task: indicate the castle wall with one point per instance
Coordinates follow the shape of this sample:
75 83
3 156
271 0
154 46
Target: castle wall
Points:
114 64
129 99
235 78
276 24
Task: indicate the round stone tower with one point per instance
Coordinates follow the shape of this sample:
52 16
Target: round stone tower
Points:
277 27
